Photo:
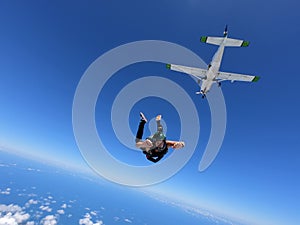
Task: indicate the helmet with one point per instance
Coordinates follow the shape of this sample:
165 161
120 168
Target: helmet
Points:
158 136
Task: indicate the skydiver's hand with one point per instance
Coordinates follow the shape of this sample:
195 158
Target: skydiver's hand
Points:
178 145
148 143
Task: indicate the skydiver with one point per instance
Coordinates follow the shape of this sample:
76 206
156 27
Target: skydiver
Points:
155 146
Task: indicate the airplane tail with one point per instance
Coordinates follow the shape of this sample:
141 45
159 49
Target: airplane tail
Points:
228 42
225 33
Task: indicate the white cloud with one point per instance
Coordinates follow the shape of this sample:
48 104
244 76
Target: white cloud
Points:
87 215
45 208
49 220
64 206
8 220
10 208
94 213
85 221
6 191
32 202
20 217
128 220
30 223
12 215
88 221
61 211
3 165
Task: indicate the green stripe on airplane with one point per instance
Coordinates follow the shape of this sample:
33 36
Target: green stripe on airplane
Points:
203 39
245 44
255 79
168 66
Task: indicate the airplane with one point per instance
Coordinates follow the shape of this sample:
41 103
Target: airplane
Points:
212 74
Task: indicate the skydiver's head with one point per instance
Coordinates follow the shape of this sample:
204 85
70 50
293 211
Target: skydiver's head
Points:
159 140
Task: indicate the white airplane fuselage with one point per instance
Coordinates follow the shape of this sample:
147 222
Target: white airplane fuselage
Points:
213 69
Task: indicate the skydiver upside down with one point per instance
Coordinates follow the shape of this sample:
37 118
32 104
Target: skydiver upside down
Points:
155 146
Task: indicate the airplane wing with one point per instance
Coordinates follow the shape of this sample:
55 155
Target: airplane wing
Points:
237 77
230 42
212 40
196 72
236 43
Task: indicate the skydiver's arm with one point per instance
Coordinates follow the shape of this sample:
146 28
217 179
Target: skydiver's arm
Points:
175 144
147 144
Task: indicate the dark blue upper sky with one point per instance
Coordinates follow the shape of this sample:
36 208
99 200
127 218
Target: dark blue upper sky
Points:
47 46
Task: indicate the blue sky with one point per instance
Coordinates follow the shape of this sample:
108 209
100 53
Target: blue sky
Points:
46 47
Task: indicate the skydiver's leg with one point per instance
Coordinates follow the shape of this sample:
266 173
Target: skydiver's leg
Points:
159 126
139 134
